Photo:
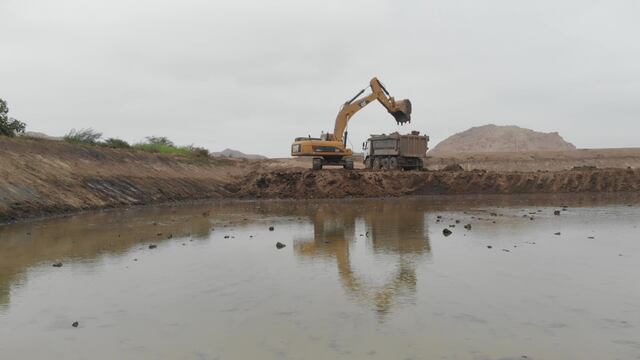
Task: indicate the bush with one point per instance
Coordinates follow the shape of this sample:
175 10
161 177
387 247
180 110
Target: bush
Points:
115 143
83 136
9 126
162 145
160 140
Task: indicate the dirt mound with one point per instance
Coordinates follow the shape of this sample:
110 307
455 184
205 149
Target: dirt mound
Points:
493 138
343 184
237 154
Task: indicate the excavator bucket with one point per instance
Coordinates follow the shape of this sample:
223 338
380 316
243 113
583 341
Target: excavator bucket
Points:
402 111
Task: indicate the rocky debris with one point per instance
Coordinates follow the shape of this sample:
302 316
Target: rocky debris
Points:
452 225
58 264
271 228
556 212
489 247
153 246
590 237
226 236
557 233
506 250
446 232
75 324
453 168
280 245
135 259
468 226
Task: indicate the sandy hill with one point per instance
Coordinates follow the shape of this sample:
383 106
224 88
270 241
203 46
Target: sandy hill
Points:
237 154
494 138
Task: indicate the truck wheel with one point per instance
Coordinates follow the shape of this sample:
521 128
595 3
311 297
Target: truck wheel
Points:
317 164
376 164
385 163
420 166
367 163
393 163
348 163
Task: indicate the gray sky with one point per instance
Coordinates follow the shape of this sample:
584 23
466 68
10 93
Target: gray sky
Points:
254 74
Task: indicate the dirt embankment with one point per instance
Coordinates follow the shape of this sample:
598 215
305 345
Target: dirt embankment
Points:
340 184
39 177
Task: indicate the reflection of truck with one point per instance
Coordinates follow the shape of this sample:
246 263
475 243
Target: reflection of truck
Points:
395 151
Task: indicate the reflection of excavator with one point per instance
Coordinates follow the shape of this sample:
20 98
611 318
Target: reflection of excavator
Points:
331 148
391 230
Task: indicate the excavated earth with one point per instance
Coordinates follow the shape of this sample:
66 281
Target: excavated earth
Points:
339 183
43 177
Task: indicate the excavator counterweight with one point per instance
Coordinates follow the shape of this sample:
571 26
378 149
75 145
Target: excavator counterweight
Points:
331 148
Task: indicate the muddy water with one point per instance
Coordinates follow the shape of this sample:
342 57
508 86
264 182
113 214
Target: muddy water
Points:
362 279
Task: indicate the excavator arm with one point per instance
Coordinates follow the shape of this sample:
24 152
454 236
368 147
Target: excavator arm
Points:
401 109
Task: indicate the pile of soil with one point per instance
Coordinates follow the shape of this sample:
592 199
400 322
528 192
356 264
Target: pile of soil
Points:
296 184
494 138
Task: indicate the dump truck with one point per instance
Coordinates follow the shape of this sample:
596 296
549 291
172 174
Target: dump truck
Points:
395 151
331 148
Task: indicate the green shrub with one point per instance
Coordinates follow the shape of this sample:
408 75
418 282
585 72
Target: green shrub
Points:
115 143
9 126
162 145
83 136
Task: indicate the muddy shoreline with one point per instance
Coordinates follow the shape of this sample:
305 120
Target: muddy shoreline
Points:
46 178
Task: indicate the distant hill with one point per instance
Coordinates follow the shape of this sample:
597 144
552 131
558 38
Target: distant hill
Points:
237 154
494 138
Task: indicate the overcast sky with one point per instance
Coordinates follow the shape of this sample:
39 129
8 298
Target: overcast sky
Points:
253 74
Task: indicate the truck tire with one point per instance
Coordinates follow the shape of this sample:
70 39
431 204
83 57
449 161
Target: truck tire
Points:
348 163
385 163
393 163
376 164
367 163
420 166
317 164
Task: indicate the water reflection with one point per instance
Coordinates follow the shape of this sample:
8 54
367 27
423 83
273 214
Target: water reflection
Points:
393 229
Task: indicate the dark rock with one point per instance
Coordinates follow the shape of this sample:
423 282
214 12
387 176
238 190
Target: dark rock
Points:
135 259
457 221
446 232
271 228
506 250
591 237
452 226
489 247
280 245
153 246
170 236
558 233
226 236
556 212
58 264
468 226
453 167
75 324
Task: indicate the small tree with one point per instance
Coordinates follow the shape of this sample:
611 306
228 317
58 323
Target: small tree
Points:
160 140
9 126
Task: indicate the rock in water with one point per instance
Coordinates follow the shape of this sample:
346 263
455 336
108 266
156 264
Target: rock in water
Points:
152 246
75 324
556 212
58 264
271 228
280 245
446 232
468 226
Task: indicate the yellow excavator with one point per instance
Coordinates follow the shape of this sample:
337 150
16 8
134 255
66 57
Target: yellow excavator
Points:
331 148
